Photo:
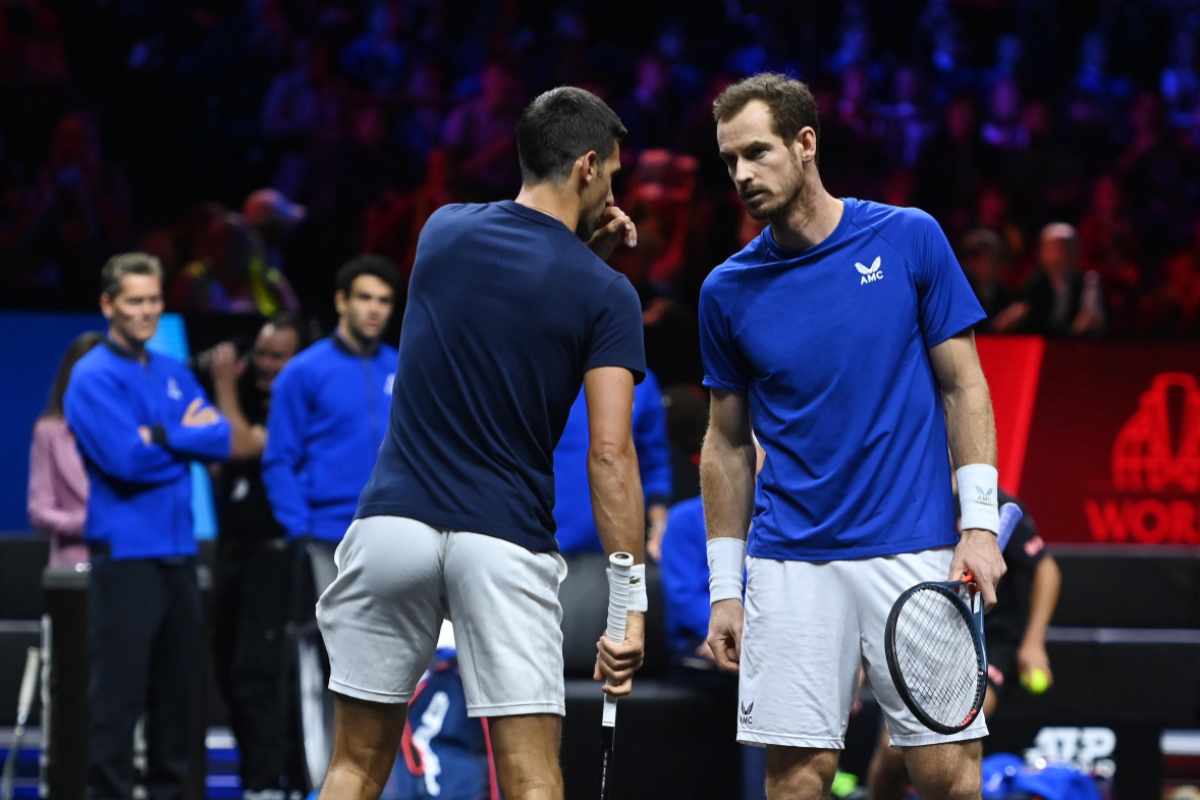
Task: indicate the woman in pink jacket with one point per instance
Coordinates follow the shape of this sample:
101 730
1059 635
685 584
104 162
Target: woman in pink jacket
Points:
58 486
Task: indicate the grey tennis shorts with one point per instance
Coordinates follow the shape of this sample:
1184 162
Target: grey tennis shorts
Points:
399 578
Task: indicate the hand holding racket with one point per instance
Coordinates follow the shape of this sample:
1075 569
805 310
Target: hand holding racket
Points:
934 644
619 655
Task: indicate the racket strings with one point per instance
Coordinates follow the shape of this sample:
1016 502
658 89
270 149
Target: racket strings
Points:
936 656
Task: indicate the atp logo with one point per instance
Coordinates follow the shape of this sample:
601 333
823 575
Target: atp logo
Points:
1156 466
870 274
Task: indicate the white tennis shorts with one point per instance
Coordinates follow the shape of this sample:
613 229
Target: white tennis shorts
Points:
399 578
809 626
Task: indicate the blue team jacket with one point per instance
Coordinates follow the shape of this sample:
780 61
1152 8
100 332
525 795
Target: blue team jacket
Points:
140 498
684 572
329 413
572 497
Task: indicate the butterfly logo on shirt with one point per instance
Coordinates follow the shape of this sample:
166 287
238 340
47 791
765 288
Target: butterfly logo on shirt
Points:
870 274
173 390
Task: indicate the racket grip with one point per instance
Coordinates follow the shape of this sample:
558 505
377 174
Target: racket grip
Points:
619 566
28 684
1010 517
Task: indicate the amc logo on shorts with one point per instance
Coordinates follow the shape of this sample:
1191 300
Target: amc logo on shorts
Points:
1155 469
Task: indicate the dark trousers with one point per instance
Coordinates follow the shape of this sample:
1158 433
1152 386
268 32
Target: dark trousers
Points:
254 659
144 646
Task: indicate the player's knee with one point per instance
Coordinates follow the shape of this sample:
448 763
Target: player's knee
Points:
525 781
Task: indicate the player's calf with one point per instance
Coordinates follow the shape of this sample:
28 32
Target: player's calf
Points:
946 771
526 752
795 773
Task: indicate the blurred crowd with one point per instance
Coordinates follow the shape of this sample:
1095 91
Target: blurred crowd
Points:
1059 148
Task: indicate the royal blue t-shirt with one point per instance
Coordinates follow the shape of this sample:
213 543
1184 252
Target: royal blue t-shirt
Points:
507 309
830 347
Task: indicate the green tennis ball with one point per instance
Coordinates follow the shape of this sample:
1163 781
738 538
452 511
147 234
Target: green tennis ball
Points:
1036 681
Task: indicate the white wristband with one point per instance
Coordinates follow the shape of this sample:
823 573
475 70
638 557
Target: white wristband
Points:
637 589
725 557
977 497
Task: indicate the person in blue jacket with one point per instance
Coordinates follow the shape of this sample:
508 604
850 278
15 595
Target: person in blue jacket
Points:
139 419
329 410
572 499
328 415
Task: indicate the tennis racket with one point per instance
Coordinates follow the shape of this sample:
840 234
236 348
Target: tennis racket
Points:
619 565
935 648
24 706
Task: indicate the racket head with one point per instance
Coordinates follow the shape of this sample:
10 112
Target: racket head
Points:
935 654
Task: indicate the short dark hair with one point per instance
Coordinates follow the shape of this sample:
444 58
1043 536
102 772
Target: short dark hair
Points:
791 102
124 264
368 264
558 127
287 321
79 347
981 241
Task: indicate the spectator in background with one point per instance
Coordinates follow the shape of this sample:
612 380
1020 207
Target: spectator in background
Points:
230 274
58 484
479 138
1180 81
572 497
377 58
84 206
328 415
1003 129
984 261
1173 309
1107 245
252 596
273 217
950 167
1060 299
140 418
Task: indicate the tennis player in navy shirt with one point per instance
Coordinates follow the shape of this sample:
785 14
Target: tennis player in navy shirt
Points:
841 336
508 313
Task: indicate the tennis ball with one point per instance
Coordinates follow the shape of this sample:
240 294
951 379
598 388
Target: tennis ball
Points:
1036 681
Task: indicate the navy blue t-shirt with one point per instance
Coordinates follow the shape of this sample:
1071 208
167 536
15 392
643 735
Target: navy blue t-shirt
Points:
830 346
507 309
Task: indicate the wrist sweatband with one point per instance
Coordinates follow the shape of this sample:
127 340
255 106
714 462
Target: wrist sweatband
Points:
977 497
637 589
725 557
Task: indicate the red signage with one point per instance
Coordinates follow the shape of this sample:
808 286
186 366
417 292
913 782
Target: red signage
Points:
1101 440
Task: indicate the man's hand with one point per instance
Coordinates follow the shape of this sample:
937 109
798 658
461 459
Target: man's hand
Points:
198 415
658 526
145 434
615 228
978 553
725 633
616 663
225 365
1032 656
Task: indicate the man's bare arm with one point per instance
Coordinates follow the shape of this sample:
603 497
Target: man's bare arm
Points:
727 467
972 433
965 396
727 482
617 504
616 484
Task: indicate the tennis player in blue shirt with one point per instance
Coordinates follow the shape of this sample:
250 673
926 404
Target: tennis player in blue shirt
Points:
509 311
841 336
